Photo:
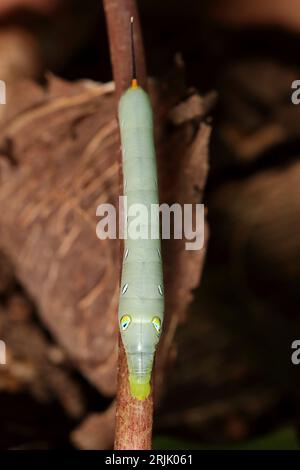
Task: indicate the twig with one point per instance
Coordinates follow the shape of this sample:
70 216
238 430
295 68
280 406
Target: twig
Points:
133 417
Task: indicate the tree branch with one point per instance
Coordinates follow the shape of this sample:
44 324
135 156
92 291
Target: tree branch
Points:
133 417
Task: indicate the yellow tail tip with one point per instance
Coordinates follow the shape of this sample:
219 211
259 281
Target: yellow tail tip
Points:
139 390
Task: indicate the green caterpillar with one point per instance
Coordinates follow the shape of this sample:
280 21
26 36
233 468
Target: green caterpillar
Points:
141 305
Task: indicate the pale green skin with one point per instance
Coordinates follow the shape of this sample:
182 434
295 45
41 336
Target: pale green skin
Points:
142 269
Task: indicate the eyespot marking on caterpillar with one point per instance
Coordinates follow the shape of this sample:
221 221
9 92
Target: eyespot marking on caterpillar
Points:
156 322
125 322
160 289
124 289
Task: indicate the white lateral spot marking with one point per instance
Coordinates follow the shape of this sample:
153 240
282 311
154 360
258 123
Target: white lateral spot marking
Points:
124 288
160 289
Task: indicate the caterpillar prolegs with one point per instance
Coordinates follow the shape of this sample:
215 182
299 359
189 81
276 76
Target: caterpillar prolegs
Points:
141 305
